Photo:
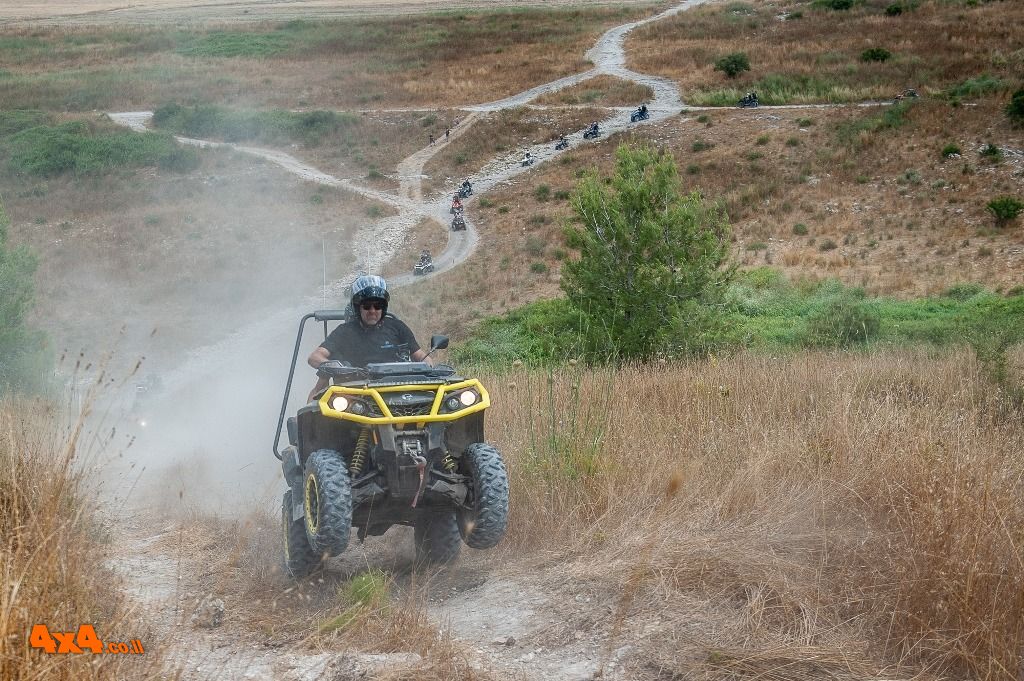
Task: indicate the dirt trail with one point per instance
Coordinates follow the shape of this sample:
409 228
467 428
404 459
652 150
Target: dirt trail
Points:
508 623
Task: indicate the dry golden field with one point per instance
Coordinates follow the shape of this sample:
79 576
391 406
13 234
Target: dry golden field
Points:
820 515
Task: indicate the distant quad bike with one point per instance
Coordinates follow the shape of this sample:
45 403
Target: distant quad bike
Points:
749 101
909 92
640 114
563 143
398 443
456 206
458 223
466 189
591 132
527 160
425 265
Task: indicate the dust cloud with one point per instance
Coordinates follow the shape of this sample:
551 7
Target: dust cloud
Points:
200 333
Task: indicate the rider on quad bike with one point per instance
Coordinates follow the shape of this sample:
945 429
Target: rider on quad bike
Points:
466 189
456 205
425 265
388 442
563 143
592 131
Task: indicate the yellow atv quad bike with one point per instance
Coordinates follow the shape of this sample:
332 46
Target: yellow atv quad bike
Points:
397 443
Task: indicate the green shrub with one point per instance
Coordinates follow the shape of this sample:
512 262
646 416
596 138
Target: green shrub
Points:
1015 109
963 291
804 122
12 122
757 246
538 267
894 10
1005 209
972 88
800 229
843 322
542 192
700 145
205 122
827 245
835 5
23 358
733 64
950 150
879 54
763 140
703 118
992 153
83 149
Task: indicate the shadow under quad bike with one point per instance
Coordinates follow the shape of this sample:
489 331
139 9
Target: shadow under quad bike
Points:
398 443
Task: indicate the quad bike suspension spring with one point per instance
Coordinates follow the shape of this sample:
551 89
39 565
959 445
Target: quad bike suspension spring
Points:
449 463
360 452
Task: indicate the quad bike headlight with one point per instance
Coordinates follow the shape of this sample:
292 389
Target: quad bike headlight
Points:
339 403
357 408
466 398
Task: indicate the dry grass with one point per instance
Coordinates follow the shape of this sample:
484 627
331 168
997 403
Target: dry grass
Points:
463 57
935 46
600 91
53 548
857 511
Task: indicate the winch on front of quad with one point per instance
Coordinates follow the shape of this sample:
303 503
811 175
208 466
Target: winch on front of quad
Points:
397 443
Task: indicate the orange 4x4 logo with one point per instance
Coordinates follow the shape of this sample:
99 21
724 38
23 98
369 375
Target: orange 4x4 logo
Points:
79 641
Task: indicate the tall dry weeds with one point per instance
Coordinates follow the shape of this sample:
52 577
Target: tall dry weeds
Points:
863 506
52 553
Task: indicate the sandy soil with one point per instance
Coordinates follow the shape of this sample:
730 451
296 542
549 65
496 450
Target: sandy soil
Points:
217 11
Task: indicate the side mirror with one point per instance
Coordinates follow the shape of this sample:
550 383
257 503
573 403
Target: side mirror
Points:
438 342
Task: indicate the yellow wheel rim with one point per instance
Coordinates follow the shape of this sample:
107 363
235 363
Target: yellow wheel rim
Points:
312 503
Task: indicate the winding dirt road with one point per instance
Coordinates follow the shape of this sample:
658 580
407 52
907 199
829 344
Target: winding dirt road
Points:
499 607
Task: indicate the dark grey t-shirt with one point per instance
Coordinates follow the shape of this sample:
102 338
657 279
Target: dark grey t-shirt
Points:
389 341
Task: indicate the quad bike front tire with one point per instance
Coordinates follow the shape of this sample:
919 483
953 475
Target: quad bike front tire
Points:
483 524
327 496
437 537
299 557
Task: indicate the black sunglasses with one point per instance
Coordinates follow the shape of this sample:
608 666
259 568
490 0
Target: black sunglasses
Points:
372 305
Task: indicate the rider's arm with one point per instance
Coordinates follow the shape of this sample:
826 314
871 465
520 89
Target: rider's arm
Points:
319 356
420 356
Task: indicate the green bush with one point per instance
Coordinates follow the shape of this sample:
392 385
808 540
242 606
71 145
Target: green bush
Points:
879 54
733 64
894 10
23 360
992 153
206 121
538 267
1005 209
642 239
972 88
827 245
842 322
700 145
542 192
950 150
800 229
835 5
1015 109
86 149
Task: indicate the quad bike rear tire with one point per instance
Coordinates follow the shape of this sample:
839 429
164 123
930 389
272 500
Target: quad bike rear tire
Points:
484 523
299 557
438 538
327 495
